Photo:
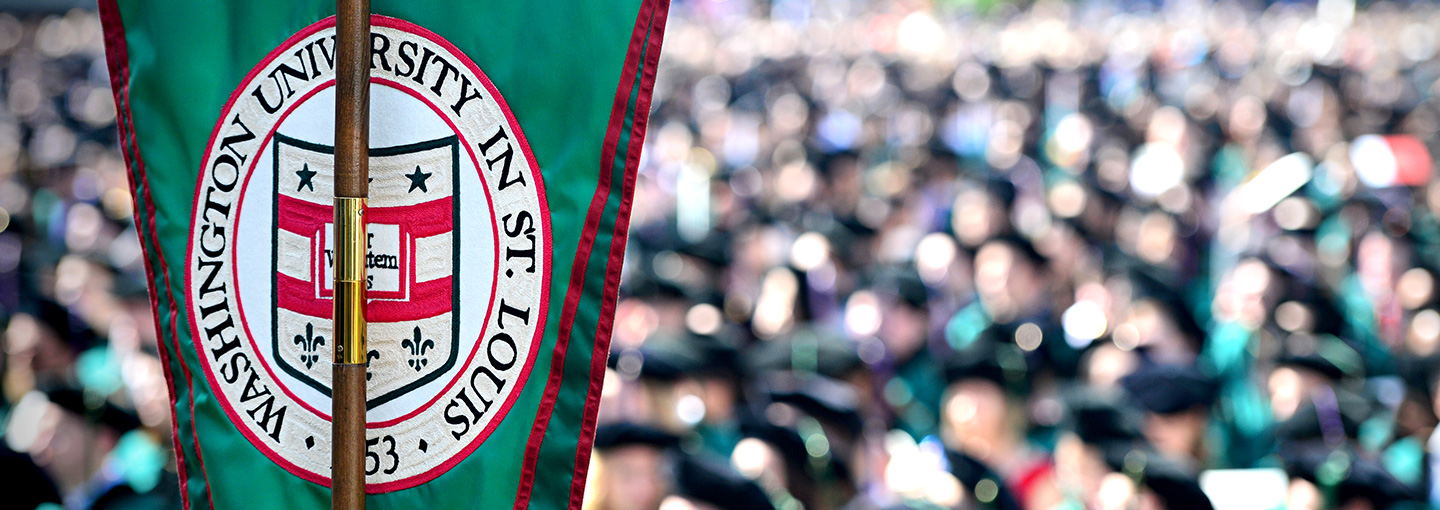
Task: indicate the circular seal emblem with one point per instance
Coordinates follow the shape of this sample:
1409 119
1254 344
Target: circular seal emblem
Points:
457 265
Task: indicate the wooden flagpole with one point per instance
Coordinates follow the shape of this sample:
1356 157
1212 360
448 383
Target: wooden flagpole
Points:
352 141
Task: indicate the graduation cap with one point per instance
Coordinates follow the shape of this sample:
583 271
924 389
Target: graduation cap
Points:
1349 477
615 435
719 350
69 327
1324 420
714 248
1000 188
903 283
1174 483
991 357
972 474
1022 247
1319 306
664 276
25 484
1103 420
1324 354
825 399
93 408
805 350
784 440
790 443
660 359
711 482
1170 389
1147 286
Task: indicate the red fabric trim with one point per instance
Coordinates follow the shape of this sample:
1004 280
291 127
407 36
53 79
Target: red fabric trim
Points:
117 54
582 255
611 294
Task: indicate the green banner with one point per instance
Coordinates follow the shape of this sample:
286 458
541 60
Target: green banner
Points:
504 143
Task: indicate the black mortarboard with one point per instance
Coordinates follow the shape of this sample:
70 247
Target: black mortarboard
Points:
902 283
1102 419
971 473
1321 419
1023 248
719 352
1175 484
713 248
1000 188
1326 317
991 357
95 409
804 350
25 484
614 435
791 445
1170 389
661 359
1324 354
1351 478
69 327
1147 286
717 484
825 399
784 440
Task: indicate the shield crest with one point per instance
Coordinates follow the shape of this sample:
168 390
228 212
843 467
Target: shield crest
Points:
411 269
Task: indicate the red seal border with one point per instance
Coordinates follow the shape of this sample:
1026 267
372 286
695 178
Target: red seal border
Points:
431 474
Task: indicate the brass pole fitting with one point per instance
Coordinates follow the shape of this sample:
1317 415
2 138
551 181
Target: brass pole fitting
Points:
350 250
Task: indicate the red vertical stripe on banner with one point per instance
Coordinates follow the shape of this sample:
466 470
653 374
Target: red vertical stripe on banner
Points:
117 54
582 255
600 355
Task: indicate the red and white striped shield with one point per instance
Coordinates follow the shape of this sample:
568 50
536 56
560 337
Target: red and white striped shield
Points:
411 274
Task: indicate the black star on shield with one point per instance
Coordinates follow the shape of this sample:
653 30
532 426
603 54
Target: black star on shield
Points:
305 175
417 180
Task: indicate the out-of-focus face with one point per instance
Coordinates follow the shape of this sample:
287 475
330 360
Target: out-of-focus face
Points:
1289 388
1156 331
903 329
1107 364
1177 435
683 503
631 478
32 346
1303 495
976 217
1377 260
61 448
1003 278
759 461
1117 492
975 416
1241 296
1079 468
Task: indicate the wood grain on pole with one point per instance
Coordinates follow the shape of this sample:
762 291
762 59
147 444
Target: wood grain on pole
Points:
352 140
347 488
352 98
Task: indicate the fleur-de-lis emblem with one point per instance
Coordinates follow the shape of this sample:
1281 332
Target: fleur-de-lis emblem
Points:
417 347
373 354
309 343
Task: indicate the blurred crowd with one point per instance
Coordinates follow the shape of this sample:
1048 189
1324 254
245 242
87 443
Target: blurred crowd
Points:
85 415
1097 254
1091 254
